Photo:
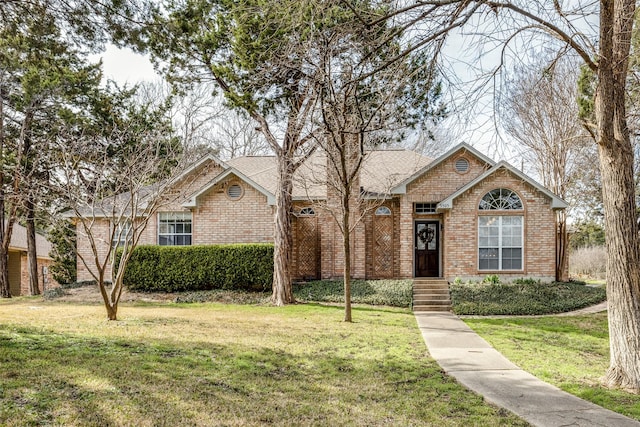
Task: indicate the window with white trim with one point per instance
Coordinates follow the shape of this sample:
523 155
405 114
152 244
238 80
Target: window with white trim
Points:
174 228
425 208
502 199
500 242
122 233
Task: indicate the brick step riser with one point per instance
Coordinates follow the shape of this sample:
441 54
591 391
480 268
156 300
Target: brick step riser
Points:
431 308
430 287
430 281
431 297
433 291
432 302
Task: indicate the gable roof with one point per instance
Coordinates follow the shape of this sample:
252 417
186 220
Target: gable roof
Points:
19 241
192 202
401 187
556 201
381 170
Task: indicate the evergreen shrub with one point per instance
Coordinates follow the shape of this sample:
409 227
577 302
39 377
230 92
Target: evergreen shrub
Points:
197 268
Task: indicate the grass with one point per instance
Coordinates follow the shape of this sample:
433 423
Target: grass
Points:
569 352
214 364
523 298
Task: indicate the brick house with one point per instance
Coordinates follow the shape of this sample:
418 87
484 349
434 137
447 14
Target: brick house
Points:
461 215
19 265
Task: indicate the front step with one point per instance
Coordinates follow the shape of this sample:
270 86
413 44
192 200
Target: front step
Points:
431 295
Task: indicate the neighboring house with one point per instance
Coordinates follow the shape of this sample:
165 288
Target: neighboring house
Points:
19 264
461 215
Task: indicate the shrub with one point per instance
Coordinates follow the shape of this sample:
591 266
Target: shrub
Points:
527 281
395 293
523 298
588 262
81 284
197 268
63 252
53 293
493 279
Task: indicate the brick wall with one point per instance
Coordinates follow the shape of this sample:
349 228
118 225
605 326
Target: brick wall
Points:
459 237
249 219
434 186
100 229
218 219
460 256
45 280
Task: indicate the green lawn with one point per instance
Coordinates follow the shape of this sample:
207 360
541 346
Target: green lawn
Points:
569 352
232 365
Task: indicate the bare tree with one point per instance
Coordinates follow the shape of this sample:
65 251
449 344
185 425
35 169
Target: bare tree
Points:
111 202
360 111
606 53
539 112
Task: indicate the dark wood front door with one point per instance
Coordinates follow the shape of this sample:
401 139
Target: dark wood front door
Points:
427 249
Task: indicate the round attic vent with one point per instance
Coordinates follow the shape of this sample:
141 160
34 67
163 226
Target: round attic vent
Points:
462 165
234 192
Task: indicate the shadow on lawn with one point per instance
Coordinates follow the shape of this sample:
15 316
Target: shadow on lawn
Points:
68 379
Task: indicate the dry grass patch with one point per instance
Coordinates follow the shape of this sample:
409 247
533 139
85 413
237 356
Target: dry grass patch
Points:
213 364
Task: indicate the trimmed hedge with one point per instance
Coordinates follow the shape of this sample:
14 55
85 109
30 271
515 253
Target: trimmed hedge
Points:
198 268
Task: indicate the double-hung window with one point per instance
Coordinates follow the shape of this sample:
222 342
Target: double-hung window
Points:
500 237
122 233
174 228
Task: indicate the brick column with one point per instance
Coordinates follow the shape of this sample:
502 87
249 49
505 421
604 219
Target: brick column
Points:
406 238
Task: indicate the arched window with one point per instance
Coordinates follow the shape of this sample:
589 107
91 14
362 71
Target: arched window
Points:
500 199
500 237
383 211
307 212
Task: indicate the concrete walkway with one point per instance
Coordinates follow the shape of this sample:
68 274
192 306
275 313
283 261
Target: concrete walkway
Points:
479 367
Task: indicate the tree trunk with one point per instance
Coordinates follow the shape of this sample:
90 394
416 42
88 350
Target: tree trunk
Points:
618 193
5 290
283 239
32 255
6 230
562 246
623 268
346 240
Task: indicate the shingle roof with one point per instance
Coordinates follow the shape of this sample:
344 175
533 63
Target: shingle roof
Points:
381 170
19 241
384 169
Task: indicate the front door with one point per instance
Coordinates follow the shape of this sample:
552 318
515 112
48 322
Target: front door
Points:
427 249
